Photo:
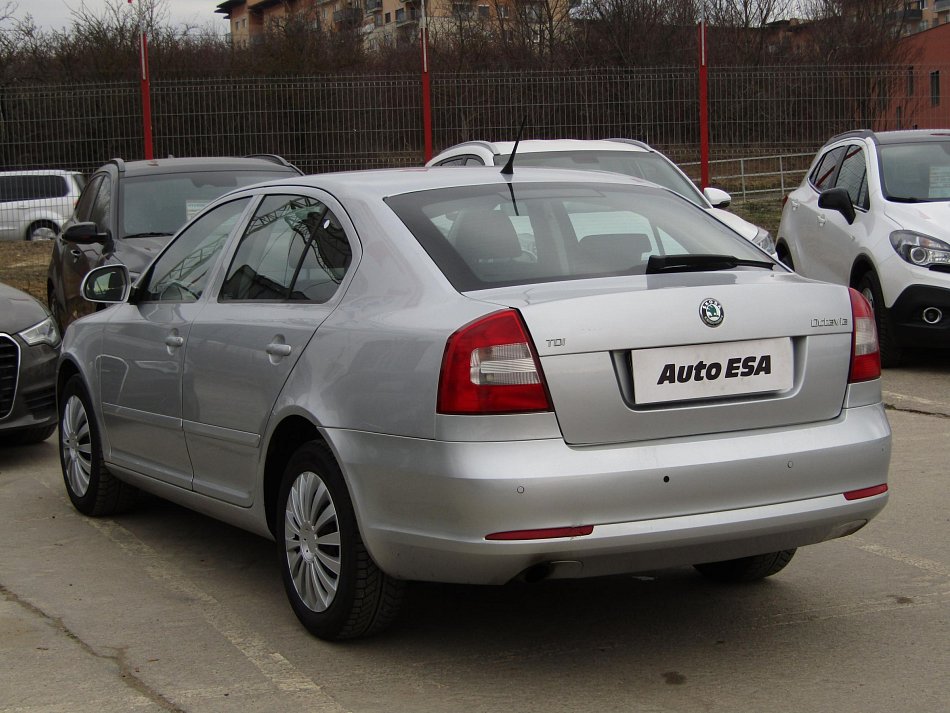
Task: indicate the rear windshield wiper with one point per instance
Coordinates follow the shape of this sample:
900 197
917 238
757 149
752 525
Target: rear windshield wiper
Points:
700 263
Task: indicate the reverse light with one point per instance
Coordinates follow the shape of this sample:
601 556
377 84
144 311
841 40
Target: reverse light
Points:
865 356
546 533
490 367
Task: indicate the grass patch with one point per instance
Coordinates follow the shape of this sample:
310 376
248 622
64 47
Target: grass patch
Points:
24 264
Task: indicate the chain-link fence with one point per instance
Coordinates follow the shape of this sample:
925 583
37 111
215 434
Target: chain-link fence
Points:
338 123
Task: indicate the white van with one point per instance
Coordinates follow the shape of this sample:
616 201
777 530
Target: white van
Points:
35 204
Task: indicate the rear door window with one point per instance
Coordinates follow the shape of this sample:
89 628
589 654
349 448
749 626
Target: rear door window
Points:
294 249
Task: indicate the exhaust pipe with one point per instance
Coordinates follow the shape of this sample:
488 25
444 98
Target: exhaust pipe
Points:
932 315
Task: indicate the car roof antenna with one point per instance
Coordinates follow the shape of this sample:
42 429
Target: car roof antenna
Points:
509 168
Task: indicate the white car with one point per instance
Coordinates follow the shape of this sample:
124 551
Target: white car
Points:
35 204
872 213
632 158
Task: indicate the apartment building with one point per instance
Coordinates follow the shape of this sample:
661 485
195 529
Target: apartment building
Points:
379 21
920 15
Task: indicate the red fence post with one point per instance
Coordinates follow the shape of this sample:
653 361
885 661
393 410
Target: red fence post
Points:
146 101
146 93
426 93
703 108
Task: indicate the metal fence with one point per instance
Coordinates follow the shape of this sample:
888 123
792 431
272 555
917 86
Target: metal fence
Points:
764 122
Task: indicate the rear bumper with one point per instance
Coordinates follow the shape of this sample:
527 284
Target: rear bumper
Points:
425 507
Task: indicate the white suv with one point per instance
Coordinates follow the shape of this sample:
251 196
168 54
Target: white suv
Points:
632 158
873 213
35 204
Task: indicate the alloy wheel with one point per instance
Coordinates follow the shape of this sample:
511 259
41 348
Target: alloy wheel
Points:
76 442
312 541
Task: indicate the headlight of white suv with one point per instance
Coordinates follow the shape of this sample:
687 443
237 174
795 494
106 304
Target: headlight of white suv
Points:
43 333
919 249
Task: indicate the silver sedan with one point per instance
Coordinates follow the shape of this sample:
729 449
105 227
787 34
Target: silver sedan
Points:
474 377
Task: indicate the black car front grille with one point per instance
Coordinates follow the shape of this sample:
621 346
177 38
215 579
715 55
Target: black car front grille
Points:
9 371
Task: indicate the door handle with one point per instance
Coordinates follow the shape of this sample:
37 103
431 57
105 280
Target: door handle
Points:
821 220
279 349
794 204
174 341
75 252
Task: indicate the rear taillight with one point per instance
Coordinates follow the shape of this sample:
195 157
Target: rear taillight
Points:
490 367
865 357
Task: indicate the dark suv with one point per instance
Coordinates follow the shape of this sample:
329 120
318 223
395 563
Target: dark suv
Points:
128 211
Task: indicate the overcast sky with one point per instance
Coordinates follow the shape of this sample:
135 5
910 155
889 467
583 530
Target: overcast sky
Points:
57 14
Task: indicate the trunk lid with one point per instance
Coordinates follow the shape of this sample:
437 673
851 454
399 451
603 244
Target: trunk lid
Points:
632 359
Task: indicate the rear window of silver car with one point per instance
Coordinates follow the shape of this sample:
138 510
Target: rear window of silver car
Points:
486 236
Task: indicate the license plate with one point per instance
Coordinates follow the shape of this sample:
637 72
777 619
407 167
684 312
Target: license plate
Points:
709 371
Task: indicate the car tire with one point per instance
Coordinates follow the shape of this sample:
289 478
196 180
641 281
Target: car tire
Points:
891 351
42 230
334 587
92 489
746 569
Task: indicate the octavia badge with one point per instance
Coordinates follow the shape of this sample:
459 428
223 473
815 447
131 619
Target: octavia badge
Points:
711 311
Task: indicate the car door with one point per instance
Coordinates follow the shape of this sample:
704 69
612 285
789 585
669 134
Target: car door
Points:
838 240
282 282
143 350
80 259
62 275
805 217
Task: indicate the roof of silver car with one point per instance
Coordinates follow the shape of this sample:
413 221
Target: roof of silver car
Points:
381 183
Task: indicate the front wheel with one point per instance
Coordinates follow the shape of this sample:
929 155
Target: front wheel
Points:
92 489
891 351
747 569
334 587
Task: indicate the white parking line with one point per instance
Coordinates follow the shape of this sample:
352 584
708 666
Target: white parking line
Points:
923 563
281 672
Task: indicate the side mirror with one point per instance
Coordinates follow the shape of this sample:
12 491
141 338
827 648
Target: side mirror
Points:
109 284
839 200
718 197
85 234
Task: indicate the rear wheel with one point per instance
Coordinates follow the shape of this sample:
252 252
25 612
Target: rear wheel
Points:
334 588
42 230
747 569
891 351
92 489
